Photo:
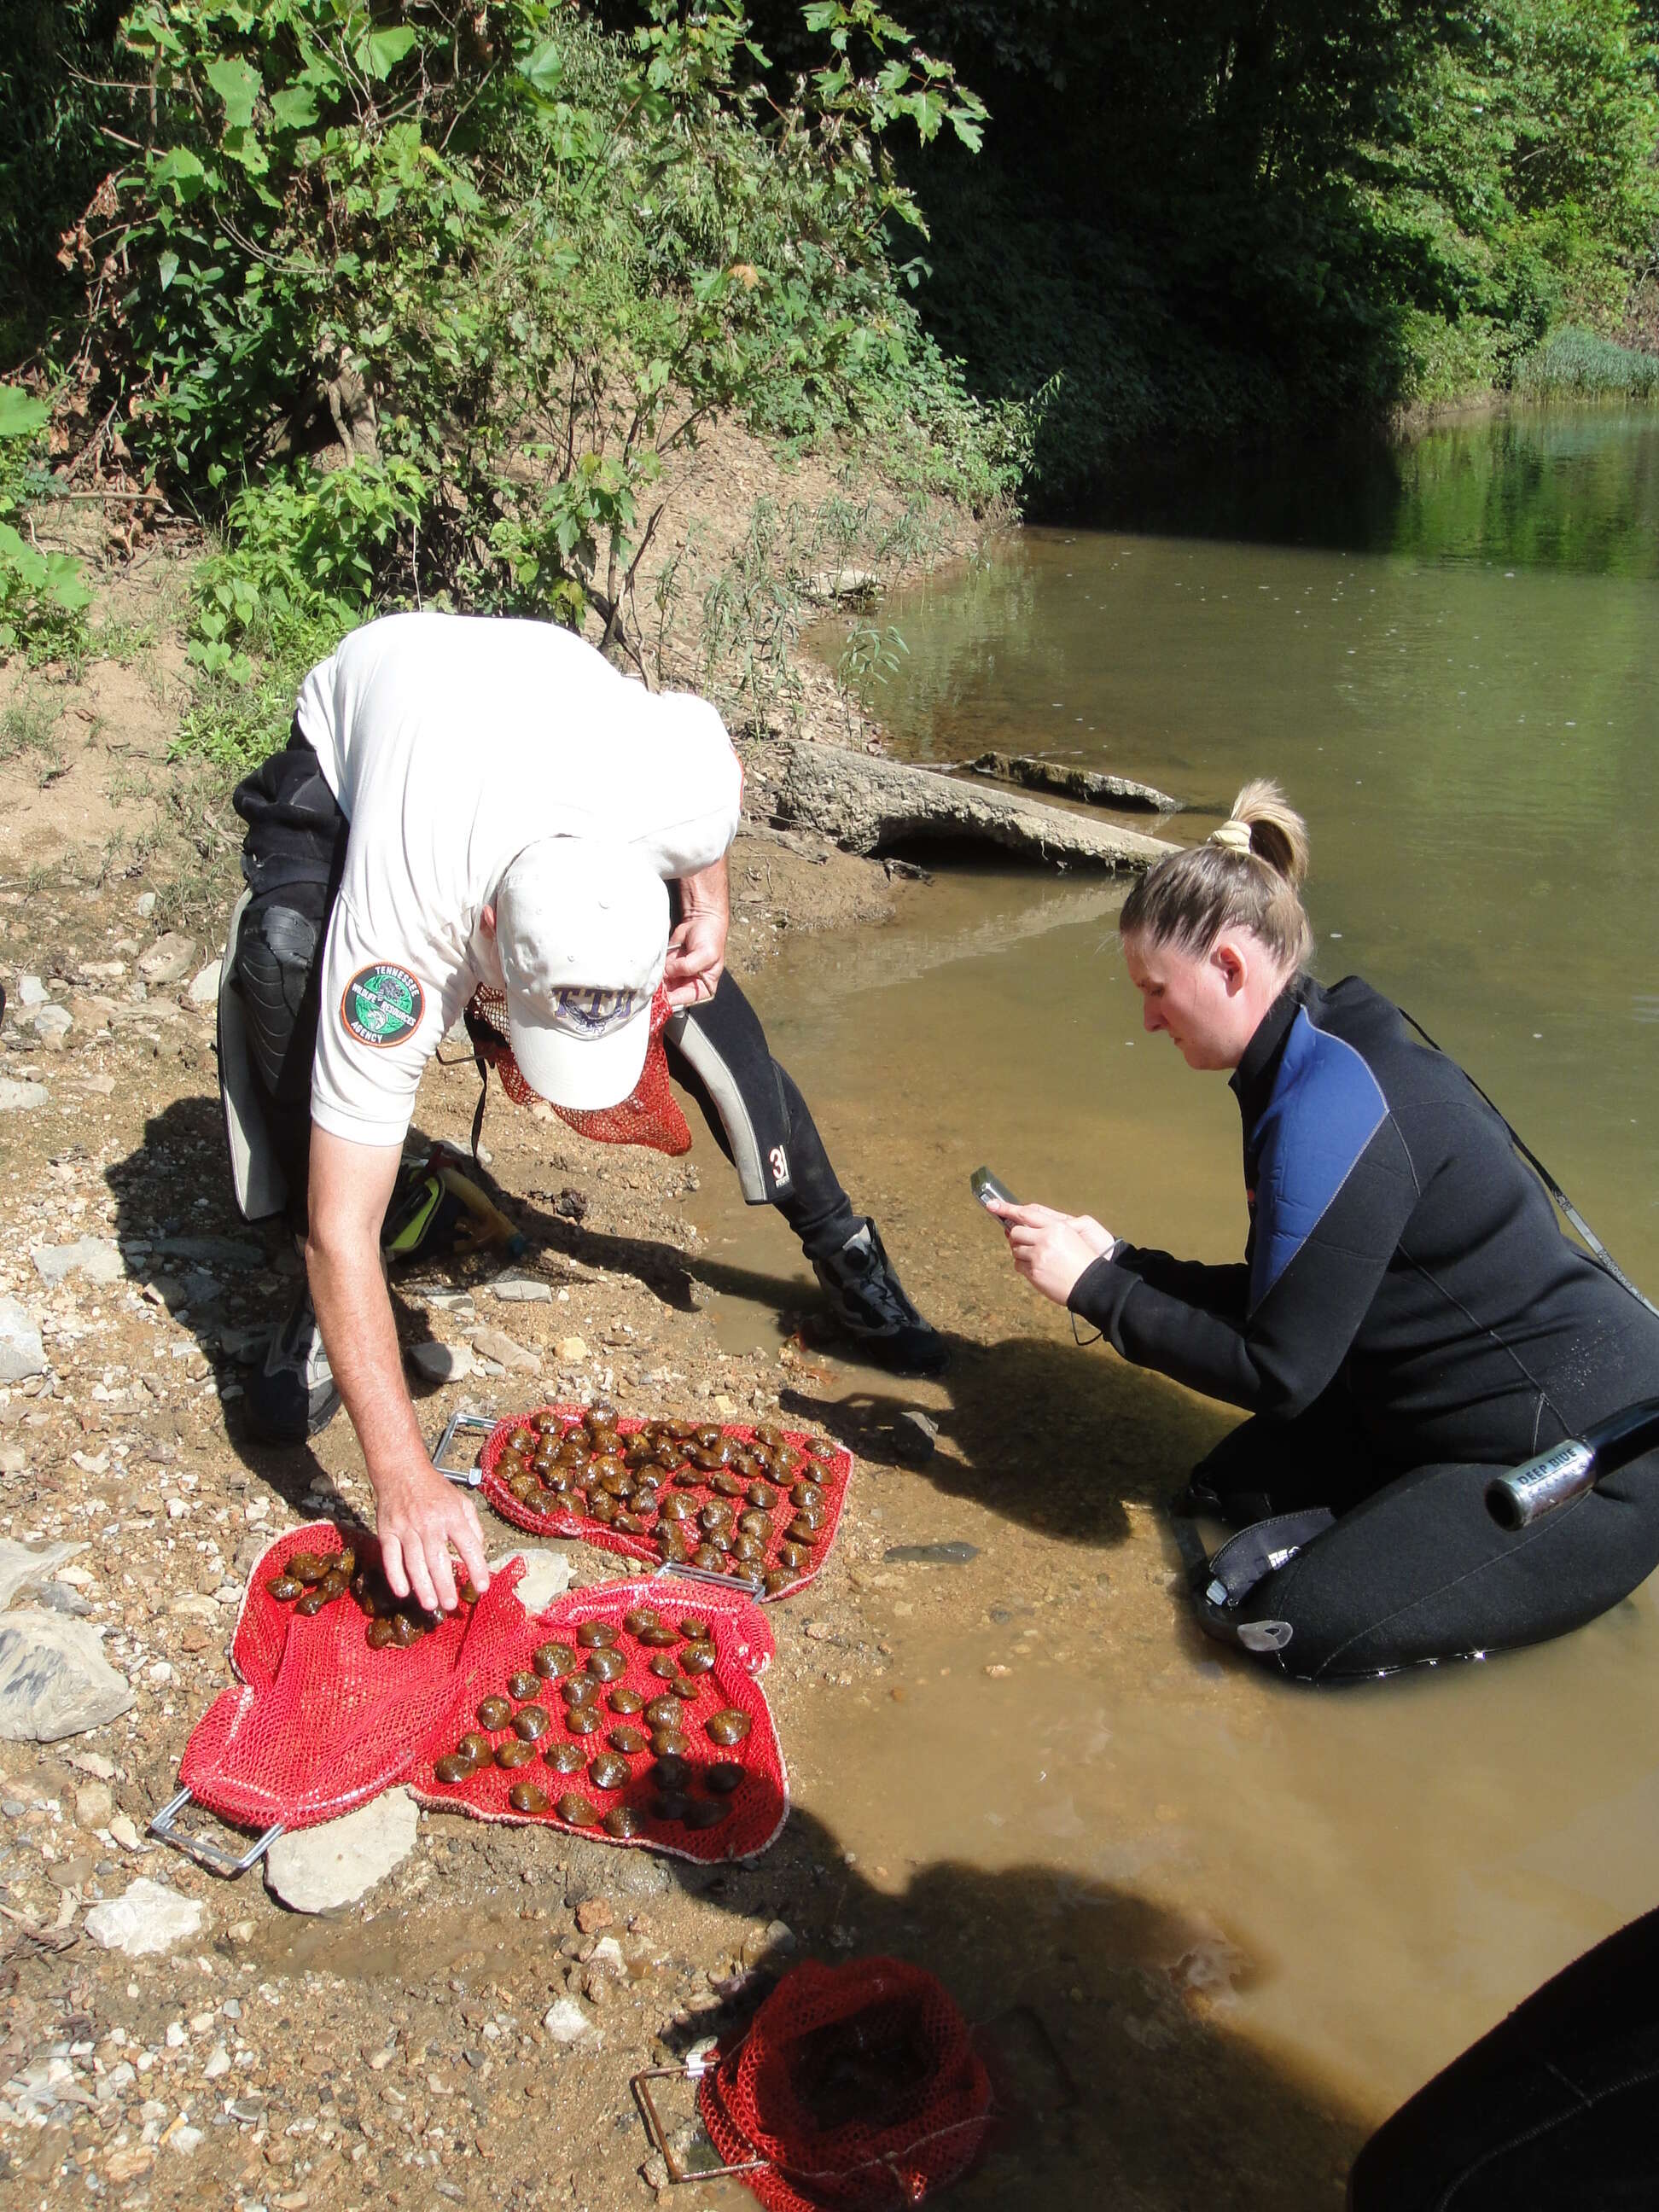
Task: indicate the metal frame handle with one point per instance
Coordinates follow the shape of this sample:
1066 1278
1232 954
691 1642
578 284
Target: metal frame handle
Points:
213 1857
469 1477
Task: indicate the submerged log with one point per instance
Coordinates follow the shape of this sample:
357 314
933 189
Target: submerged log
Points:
871 805
1093 788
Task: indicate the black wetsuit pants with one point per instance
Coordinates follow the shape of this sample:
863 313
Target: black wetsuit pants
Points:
1391 1570
293 857
1553 2112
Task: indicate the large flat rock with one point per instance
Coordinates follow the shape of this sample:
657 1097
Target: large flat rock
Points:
317 1869
147 1920
1092 787
871 805
54 1679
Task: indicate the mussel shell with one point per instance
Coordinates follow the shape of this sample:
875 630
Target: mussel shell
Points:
687 1692
312 1604
526 1798
762 1495
584 1720
476 1747
755 1524
594 1635
285 1588
670 1743
405 1631
728 1727
806 1495
793 1555
698 1658
672 1773
626 1701
624 1820
452 1767
628 1740
716 1515
565 1757
642 1617
333 1584
509 1755
723 1778
577 1811
378 1635
531 1721
662 1665
679 1507
524 1685
695 1628
579 1690
552 1660
706 1812
806 1528
747 1549
308 1567
663 1712
607 1772
604 1666
726 1486
669 1805
779 1579
660 1637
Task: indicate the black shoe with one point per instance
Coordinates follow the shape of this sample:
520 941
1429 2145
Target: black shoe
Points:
294 1395
868 1300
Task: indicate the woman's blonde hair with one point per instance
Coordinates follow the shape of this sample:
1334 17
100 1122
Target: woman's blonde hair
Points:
1247 875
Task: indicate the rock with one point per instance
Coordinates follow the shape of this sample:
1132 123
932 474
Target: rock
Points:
102 1086
832 584
566 2022
125 1833
94 1805
866 804
17 1096
54 1678
955 1554
144 905
150 1918
546 1575
592 1914
442 1362
771 1941
522 1290
1093 788
593 1869
21 1353
98 1258
13 1460
572 1350
168 960
20 1565
204 986
320 1868
492 1344
52 1024
218 2063
915 1436
31 992
183 2140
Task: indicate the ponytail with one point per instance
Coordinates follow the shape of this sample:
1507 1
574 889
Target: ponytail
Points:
1246 875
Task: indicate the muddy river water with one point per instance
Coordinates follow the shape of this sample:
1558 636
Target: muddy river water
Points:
1450 658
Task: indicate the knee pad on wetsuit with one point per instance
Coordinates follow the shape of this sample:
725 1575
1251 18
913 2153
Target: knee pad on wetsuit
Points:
278 959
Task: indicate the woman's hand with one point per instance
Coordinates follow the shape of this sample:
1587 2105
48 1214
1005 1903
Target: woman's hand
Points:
1052 1251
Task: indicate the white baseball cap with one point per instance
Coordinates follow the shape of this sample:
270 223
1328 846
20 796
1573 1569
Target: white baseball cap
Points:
581 927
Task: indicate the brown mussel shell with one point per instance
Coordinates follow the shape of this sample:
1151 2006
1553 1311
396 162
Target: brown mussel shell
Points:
584 1720
595 1635
492 1713
604 1666
670 1743
509 1755
525 1797
405 1631
607 1772
566 1757
579 1690
552 1660
695 1628
706 1813
524 1685
663 1712
687 1692
628 1740
311 1604
778 1580
378 1635
577 1811
698 1658
624 1820
723 1779
793 1555
762 1495
672 1773
531 1721
660 1637
285 1588
642 1617
755 1524
663 1667
728 1727
308 1567
476 1747
626 1701
670 1806
452 1767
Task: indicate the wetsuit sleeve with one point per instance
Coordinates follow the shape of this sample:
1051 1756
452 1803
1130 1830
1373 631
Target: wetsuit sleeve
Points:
1327 1229
1211 1290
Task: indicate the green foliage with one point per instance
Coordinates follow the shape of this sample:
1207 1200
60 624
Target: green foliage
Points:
1576 364
43 595
496 265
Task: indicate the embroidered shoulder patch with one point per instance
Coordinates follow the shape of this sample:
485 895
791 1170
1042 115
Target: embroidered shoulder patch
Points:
382 1004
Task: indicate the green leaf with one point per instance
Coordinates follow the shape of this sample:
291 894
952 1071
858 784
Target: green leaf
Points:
238 86
381 51
21 414
168 268
544 70
295 108
180 169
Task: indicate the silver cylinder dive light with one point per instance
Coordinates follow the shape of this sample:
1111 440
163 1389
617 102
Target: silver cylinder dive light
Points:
1567 1470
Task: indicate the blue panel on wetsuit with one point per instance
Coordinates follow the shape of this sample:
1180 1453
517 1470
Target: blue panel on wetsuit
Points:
1326 1107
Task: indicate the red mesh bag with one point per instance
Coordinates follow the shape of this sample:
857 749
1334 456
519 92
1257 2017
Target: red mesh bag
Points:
650 1116
830 1467
856 2086
321 1721
744 1819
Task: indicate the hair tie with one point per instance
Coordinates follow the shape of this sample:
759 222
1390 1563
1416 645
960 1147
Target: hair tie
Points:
1233 837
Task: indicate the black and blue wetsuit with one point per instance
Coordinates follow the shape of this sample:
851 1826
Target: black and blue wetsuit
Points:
1408 1315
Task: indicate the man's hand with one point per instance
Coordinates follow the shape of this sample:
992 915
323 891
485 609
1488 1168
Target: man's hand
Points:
1052 1251
419 1517
696 950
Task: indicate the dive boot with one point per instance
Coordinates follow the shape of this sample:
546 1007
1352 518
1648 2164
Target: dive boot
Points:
293 1394
868 1300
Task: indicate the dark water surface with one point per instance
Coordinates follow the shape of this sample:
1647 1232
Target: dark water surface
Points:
1452 661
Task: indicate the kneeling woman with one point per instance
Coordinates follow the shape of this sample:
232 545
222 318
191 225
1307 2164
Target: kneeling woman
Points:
1407 1317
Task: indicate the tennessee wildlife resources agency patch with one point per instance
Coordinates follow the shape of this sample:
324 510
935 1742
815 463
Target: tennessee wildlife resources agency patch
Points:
382 1004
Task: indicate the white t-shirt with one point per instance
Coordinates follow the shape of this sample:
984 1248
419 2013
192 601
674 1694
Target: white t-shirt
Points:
452 743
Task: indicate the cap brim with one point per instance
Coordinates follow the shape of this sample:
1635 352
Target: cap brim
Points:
584 1074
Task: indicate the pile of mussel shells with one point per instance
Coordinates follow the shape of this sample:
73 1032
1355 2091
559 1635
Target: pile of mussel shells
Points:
752 1507
310 1580
613 1730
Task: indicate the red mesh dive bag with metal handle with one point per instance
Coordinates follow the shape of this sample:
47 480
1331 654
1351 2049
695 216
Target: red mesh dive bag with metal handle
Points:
856 2086
649 1116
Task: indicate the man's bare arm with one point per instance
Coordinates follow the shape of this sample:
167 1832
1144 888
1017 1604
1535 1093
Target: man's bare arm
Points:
418 1515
